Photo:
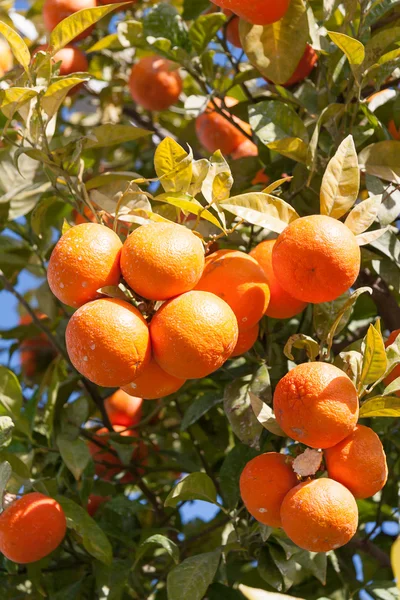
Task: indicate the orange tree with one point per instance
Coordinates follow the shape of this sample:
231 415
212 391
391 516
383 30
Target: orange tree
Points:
220 320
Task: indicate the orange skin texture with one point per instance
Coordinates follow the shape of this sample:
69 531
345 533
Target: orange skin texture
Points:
395 373
102 455
358 462
249 148
31 528
258 12
108 342
319 515
238 279
193 335
85 259
36 352
214 132
264 483
316 404
123 409
94 503
6 58
281 305
55 11
154 83
162 260
154 383
246 340
305 66
316 259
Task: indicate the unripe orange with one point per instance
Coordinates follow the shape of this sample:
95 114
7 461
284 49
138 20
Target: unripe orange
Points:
155 83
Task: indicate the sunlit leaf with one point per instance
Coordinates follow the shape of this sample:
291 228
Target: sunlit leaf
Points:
353 49
265 415
381 159
381 406
374 357
189 205
18 47
302 342
262 209
13 99
58 91
341 181
363 215
195 486
110 135
173 166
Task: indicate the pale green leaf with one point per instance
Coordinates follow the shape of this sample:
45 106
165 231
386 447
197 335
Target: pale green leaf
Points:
363 215
6 431
374 357
158 540
262 209
58 91
341 181
195 486
293 148
109 41
370 236
381 406
5 474
276 184
188 204
18 47
273 121
190 579
13 99
111 135
382 160
75 454
353 49
10 393
392 387
265 415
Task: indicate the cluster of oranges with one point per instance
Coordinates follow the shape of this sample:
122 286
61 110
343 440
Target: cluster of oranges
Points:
316 404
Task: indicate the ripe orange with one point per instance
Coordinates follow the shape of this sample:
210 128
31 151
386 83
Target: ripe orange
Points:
88 215
35 353
31 528
358 462
193 335
72 61
232 30
154 383
108 342
316 259
264 483
281 305
258 12
319 515
94 503
155 83
249 148
305 66
123 409
117 1
214 132
316 404
55 11
246 340
395 373
394 130
162 260
239 280
6 58
84 260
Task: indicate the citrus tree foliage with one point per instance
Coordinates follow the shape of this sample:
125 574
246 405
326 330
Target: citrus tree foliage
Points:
325 147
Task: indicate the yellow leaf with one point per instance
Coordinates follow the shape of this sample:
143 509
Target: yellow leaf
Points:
353 49
190 205
381 406
273 186
57 92
382 160
173 166
292 147
262 209
341 181
374 357
13 99
370 236
395 560
257 594
265 415
17 45
363 215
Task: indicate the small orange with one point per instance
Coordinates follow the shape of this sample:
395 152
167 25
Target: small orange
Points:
155 83
232 30
84 260
6 58
319 515
31 528
358 462
264 483
281 305
238 279
305 66
193 335
395 373
79 218
55 11
154 383
35 352
162 260
316 404
94 503
258 12
215 132
108 342
246 340
123 409
249 148
316 259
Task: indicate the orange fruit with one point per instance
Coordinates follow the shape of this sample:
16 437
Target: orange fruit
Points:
305 66
316 259
316 404
249 148
319 515
79 218
155 83
393 130
264 483
123 409
35 353
239 280
55 11
94 503
358 462
6 57
154 383
31 528
395 373
85 259
108 342
162 260
246 340
281 305
258 12
117 1
232 30
193 335
215 132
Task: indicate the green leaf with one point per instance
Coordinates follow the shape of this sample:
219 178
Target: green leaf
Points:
10 393
75 454
302 342
109 41
6 431
374 357
331 112
381 159
173 166
268 570
272 120
230 472
364 214
265 415
17 45
69 29
58 91
195 486
341 181
105 136
262 209
158 540
238 409
163 22
94 539
376 46
5 474
199 407
204 30
381 406
14 98
353 49
190 579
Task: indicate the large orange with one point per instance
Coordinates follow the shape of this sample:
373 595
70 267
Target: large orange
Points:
6 58
246 340
358 462
215 132
316 404
264 483
281 305
84 260
316 259
258 12
319 515
154 383
193 335
35 352
238 279
31 528
123 409
55 11
162 260
155 83
108 342
395 373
